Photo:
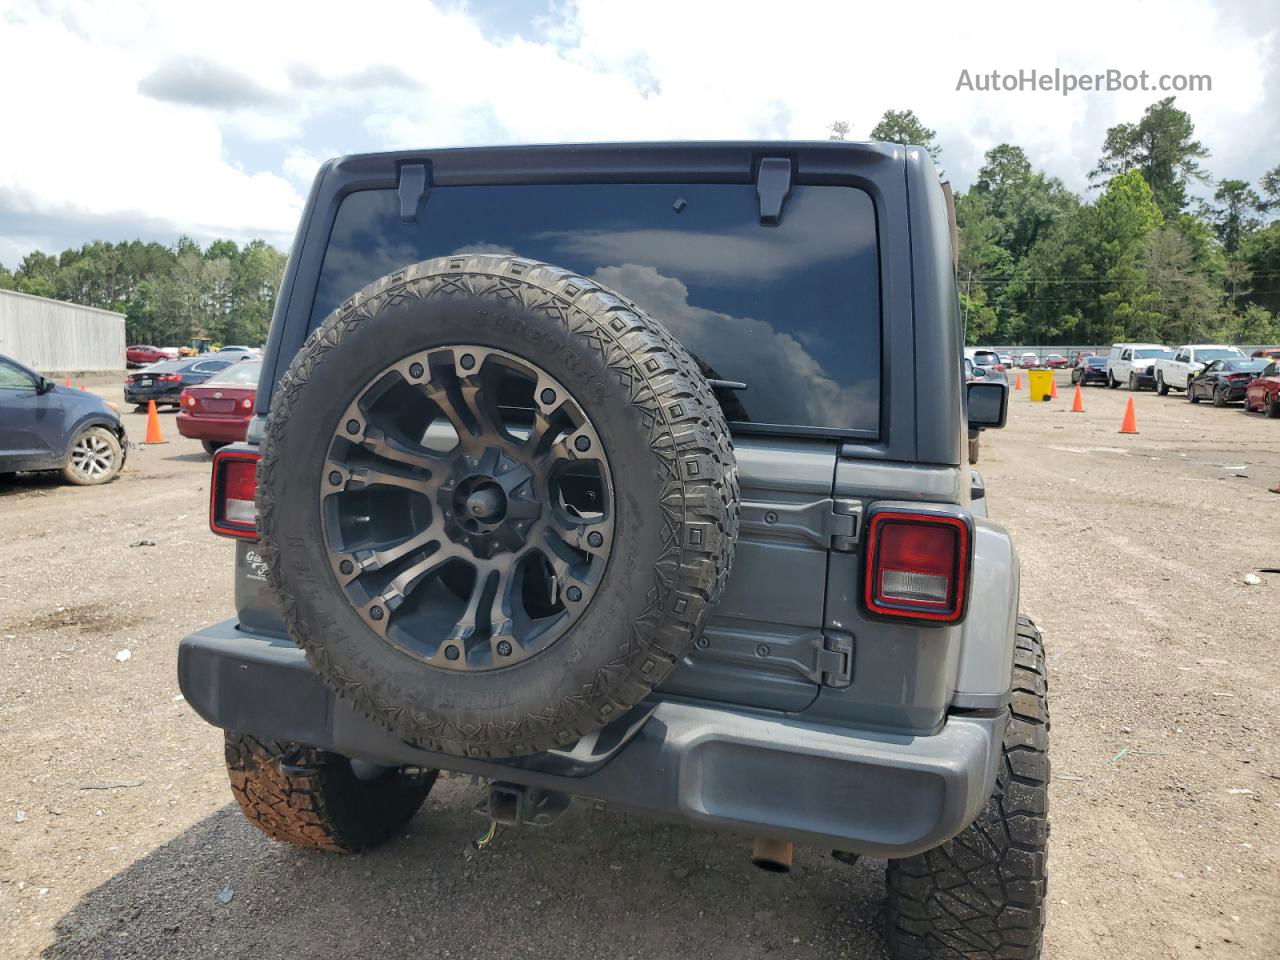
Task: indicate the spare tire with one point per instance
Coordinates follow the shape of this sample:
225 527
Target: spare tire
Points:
497 502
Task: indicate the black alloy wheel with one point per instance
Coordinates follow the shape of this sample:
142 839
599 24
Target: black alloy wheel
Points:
478 545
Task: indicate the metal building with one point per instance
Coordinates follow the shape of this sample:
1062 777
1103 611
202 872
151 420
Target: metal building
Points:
56 337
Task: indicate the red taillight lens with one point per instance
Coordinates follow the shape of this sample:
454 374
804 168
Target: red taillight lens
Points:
187 399
169 378
917 566
246 403
233 511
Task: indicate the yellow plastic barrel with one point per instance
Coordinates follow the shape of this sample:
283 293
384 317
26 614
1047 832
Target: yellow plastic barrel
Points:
1041 383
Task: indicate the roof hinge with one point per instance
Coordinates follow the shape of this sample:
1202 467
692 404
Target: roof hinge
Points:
415 184
773 184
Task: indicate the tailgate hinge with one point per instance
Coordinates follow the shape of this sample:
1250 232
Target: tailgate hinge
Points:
835 660
830 524
846 524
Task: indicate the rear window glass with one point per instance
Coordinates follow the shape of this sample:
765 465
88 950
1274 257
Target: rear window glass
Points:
1153 353
791 310
244 374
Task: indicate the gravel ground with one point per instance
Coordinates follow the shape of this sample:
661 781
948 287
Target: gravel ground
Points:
118 837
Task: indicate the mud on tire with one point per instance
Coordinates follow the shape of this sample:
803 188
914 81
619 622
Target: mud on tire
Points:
313 799
674 491
982 893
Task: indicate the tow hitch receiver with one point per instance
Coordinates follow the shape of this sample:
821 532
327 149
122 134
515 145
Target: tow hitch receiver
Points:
512 804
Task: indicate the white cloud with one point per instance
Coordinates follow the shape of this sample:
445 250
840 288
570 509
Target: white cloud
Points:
125 110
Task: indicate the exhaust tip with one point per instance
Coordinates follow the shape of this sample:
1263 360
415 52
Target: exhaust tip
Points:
772 856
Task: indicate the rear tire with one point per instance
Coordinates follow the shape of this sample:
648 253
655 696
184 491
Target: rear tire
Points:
313 799
1219 398
982 893
1191 394
1133 383
1272 406
1162 388
212 446
1112 382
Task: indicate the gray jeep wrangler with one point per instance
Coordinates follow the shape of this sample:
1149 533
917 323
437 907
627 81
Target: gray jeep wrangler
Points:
636 473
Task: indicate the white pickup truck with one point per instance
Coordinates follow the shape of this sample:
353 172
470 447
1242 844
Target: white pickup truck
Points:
1189 360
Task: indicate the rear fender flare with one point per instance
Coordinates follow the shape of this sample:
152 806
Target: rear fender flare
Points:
983 670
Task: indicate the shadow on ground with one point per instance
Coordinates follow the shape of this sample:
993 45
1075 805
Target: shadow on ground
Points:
19 485
596 884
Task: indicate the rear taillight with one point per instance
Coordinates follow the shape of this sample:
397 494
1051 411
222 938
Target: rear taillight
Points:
917 566
169 378
187 399
246 403
233 511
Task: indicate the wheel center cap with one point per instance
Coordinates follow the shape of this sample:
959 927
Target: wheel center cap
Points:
487 503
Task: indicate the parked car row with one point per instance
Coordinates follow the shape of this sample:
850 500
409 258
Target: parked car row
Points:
1217 372
164 382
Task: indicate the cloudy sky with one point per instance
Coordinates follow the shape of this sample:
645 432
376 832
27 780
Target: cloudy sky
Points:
129 118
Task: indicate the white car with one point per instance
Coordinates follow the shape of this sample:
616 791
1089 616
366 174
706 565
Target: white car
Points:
1134 364
1028 360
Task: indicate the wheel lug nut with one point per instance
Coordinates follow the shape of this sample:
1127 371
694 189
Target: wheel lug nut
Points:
574 594
504 648
415 370
582 444
335 478
594 538
468 361
451 653
346 566
376 613
353 426
548 396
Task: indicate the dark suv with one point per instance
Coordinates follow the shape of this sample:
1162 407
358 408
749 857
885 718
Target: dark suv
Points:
47 427
637 473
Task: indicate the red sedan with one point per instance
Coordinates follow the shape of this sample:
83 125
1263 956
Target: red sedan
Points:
141 355
1263 392
217 412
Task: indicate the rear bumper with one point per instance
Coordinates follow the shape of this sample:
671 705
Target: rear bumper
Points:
865 792
143 394
218 429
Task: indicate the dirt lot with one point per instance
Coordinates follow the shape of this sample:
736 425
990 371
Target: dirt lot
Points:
118 837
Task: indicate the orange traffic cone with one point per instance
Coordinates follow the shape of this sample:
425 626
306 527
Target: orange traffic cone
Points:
1077 405
153 424
1017 382
1130 423
1053 388
67 383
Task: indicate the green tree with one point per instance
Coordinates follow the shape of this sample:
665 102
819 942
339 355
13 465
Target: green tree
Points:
1255 324
839 130
1232 216
1270 184
980 257
7 282
1260 252
903 126
1126 214
1162 147
1024 201
1184 303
